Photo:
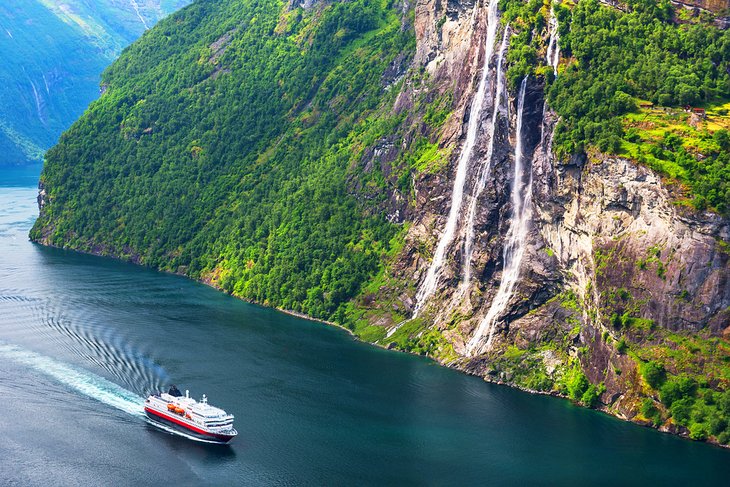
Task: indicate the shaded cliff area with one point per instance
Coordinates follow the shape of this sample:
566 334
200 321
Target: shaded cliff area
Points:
474 181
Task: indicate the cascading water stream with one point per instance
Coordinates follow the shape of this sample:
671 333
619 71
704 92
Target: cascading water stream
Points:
499 97
552 57
135 6
514 244
429 284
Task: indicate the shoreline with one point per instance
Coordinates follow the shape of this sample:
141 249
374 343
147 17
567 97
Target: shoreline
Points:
679 432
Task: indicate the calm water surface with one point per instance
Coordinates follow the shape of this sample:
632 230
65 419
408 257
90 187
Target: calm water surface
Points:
312 406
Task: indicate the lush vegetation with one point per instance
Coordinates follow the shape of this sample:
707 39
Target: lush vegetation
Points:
615 61
620 57
696 156
224 149
686 381
684 376
51 54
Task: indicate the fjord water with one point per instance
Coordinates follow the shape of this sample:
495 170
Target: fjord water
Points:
312 405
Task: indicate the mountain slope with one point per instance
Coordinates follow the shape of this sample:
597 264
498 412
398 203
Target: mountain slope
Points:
483 186
51 54
246 119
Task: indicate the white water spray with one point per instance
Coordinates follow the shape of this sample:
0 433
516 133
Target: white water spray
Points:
498 107
38 102
429 284
82 381
514 244
552 56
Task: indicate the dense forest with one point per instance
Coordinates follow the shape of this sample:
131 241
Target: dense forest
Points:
616 60
221 150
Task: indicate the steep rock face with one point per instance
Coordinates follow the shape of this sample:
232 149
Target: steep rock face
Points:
717 6
627 250
621 218
607 249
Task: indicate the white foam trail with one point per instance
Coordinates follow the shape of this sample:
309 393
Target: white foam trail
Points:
429 284
514 243
552 57
82 381
45 82
500 96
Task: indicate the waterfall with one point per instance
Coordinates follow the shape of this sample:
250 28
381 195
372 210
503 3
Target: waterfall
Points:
135 6
552 57
429 284
514 243
38 102
499 97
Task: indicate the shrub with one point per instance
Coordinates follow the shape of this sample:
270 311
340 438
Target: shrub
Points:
653 373
677 388
698 431
650 411
717 424
591 395
682 410
724 437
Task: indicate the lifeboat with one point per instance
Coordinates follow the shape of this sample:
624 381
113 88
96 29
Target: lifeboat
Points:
179 410
171 407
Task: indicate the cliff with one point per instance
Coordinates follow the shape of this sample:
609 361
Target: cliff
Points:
443 178
716 6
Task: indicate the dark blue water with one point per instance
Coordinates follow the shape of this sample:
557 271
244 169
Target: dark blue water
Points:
312 406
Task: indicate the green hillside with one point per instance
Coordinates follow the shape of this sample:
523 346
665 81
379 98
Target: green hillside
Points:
222 146
616 60
227 145
51 55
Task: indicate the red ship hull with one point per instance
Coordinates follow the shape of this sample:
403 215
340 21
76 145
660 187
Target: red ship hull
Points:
175 422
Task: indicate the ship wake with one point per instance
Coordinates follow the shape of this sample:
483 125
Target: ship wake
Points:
79 380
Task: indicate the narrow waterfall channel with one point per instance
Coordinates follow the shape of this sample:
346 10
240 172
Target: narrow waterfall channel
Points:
552 57
429 284
499 106
135 6
514 243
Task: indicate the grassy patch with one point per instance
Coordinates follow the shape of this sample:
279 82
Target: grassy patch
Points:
688 149
690 377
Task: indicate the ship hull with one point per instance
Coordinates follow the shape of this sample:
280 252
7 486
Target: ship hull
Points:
183 427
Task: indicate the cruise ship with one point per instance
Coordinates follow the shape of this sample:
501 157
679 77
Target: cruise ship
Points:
196 419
